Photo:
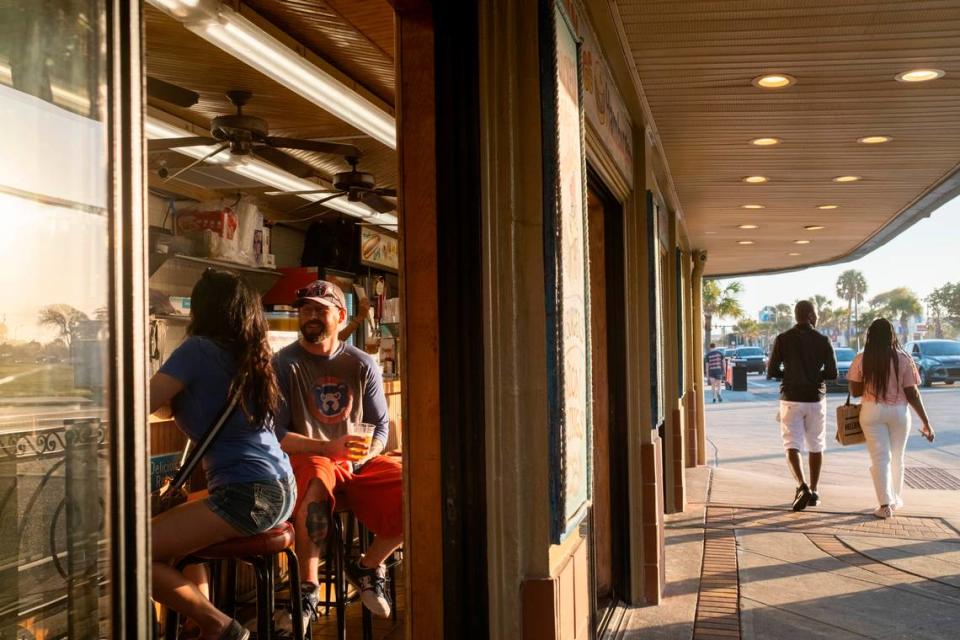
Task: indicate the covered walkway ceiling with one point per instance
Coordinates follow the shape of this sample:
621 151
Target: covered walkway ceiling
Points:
696 60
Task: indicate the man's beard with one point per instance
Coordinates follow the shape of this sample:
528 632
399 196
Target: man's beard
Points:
314 332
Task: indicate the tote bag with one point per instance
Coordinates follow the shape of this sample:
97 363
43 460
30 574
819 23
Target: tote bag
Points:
848 424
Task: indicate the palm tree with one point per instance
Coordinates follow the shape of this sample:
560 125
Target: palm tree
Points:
720 302
900 303
851 285
749 330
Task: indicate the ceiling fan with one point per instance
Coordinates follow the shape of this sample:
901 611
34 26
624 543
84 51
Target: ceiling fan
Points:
245 135
357 186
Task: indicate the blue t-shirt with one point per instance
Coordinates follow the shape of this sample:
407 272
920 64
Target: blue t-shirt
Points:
243 452
715 360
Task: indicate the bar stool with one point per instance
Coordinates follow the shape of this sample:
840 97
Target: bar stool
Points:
260 552
333 574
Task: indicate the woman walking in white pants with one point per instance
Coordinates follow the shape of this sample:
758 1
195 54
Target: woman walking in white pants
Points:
887 379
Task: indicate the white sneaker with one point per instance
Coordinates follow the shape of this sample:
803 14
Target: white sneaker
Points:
372 584
898 503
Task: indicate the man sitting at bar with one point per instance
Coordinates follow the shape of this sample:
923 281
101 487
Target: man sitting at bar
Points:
330 387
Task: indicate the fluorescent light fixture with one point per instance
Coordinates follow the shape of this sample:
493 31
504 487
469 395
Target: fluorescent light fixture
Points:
748 226
752 206
827 206
744 241
920 75
266 173
801 242
228 30
765 142
846 178
875 139
774 81
755 179
793 253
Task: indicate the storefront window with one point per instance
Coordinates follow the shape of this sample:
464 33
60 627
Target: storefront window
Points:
54 224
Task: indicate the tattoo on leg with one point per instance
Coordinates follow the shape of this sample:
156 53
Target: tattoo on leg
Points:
318 522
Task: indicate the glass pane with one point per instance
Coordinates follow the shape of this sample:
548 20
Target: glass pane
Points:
54 557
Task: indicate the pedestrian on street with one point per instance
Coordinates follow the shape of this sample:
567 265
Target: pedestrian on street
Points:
887 378
807 361
715 371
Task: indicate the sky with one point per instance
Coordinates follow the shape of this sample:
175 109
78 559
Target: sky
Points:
922 258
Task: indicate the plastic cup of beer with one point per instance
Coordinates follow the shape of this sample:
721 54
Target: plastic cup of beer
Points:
365 430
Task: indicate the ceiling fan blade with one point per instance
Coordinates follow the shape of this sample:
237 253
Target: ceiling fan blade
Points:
317 146
377 203
173 143
311 205
385 191
162 90
222 147
299 193
287 163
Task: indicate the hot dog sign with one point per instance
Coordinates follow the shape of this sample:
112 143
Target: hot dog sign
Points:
379 249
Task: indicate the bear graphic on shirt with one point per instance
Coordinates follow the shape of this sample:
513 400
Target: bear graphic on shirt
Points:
331 401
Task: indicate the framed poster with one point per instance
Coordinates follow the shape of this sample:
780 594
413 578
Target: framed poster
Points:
379 249
566 271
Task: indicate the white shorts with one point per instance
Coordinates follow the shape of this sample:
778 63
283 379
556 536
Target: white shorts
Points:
804 423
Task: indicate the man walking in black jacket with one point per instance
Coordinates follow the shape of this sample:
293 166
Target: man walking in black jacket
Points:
807 360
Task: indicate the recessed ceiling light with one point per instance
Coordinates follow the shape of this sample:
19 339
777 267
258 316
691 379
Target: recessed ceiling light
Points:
774 81
756 179
827 206
765 142
744 241
752 206
875 139
801 242
793 253
846 178
748 226
920 75
814 227
710 233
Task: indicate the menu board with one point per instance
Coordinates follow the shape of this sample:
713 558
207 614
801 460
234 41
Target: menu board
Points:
567 277
379 249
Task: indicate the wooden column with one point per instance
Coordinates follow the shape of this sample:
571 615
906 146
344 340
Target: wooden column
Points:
416 135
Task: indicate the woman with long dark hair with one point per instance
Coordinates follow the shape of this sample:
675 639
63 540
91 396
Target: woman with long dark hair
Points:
887 379
250 482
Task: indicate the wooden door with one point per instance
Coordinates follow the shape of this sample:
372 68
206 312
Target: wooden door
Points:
602 538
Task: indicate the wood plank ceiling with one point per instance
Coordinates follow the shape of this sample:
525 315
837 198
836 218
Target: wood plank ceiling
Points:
176 55
696 60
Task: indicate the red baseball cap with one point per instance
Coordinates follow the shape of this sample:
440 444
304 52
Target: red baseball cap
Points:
321 292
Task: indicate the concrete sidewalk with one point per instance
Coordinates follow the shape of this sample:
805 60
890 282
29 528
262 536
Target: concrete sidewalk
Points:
742 564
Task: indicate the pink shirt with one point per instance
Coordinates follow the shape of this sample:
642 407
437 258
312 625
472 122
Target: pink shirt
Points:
909 377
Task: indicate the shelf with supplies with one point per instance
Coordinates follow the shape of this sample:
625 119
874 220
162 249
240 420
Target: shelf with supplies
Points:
175 274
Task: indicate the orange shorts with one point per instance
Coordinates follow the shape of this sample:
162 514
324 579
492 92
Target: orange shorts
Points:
374 494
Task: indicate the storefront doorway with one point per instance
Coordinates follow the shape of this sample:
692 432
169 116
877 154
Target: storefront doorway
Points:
609 513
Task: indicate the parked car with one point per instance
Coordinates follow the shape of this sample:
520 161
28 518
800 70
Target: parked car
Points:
750 358
937 360
844 358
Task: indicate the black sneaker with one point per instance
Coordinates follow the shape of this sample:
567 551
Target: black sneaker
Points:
802 498
714 401
814 499
372 584
720 399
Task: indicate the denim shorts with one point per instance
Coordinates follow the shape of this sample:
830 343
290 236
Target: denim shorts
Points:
254 507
